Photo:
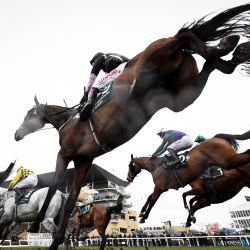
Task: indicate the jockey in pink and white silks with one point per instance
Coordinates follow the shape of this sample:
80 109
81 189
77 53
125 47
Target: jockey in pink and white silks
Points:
111 63
173 141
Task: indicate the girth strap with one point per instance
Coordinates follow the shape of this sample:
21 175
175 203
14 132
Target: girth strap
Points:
102 146
178 179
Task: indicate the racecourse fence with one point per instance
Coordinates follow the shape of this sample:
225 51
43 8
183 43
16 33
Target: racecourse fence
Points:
46 239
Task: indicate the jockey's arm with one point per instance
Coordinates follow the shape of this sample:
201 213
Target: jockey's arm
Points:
95 71
161 149
15 180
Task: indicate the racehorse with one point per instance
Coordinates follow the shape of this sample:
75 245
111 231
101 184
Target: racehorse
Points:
215 191
14 214
165 74
5 174
98 217
217 150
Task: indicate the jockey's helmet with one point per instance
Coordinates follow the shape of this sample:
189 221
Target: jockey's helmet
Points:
92 61
160 133
199 138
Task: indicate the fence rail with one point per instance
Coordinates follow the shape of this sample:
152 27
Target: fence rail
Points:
239 240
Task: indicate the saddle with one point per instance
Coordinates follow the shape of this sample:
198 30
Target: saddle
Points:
23 195
212 173
167 160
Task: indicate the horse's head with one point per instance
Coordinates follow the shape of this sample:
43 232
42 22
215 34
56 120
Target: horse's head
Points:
133 169
31 123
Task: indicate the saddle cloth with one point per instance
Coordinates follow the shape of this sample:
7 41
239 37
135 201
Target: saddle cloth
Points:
84 209
26 195
212 172
104 96
166 160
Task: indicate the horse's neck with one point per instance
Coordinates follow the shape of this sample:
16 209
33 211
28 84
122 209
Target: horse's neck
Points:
56 115
146 164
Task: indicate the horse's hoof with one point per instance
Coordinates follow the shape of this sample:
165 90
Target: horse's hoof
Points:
142 220
141 214
188 224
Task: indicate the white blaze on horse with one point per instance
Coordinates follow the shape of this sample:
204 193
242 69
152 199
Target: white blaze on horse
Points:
12 214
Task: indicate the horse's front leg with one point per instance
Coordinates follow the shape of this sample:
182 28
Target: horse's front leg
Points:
61 167
81 170
144 208
155 196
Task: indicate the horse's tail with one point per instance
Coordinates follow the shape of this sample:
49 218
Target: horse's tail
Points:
118 207
232 138
234 21
4 175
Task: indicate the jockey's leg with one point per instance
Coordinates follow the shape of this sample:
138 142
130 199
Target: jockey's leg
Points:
89 105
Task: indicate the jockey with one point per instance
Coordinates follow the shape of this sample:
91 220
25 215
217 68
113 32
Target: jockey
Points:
173 141
24 178
106 62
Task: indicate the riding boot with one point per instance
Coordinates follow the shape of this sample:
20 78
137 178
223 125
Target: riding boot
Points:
87 109
175 160
19 195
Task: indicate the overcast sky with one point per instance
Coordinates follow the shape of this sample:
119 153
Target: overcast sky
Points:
45 49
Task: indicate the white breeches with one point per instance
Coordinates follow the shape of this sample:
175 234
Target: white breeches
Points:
184 143
30 181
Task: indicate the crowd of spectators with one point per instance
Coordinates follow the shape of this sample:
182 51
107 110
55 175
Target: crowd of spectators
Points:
145 238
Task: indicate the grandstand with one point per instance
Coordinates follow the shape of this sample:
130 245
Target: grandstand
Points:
109 187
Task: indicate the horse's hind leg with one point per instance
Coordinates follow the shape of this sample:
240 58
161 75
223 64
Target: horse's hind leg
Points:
192 42
103 242
237 160
200 203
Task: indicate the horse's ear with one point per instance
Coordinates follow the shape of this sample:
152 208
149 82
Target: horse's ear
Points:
36 101
132 157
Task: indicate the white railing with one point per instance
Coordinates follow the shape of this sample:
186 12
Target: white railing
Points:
235 240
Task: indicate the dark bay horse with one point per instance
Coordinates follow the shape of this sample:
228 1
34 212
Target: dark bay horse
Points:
165 74
98 217
216 191
212 151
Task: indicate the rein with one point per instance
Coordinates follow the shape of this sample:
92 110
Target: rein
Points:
64 111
